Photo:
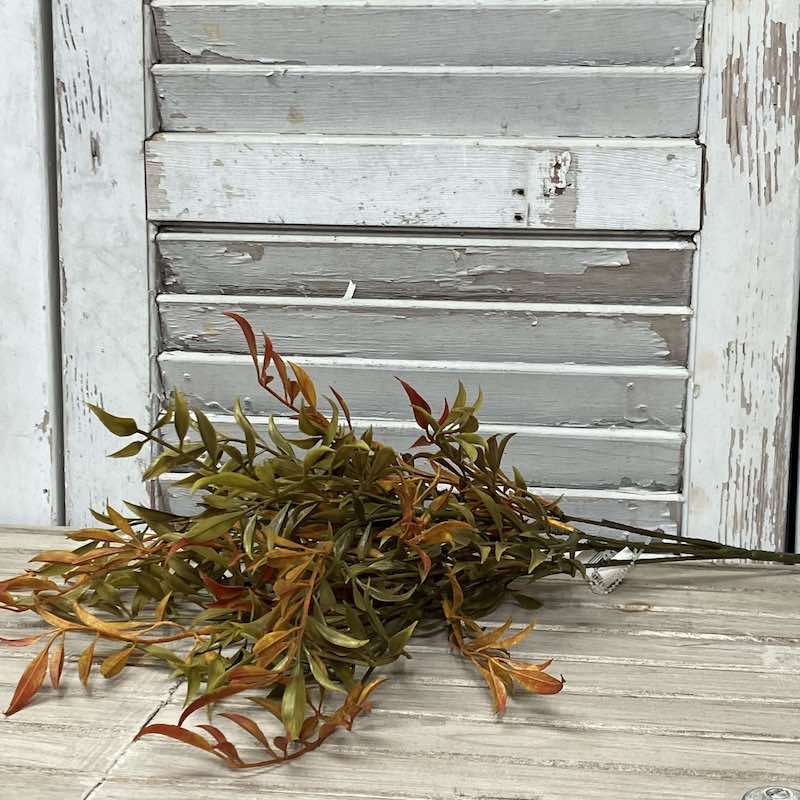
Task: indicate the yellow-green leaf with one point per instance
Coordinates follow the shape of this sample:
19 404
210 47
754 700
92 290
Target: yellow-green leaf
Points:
119 426
293 706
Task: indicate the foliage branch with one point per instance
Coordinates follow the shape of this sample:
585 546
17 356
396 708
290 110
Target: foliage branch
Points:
310 563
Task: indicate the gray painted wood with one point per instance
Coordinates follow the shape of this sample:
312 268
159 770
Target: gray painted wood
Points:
427 267
499 332
657 32
747 296
662 710
100 122
517 394
30 412
642 509
451 101
571 184
556 457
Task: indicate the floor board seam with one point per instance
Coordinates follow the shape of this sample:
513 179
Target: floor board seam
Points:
164 701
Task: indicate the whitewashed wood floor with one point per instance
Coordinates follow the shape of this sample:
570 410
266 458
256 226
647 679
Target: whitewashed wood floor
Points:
683 683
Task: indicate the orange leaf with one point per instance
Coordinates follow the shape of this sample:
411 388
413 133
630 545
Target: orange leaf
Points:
119 521
116 662
221 591
112 630
161 611
249 336
21 642
250 726
27 582
56 557
176 732
96 535
499 693
417 402
513 641
538 682
223 745
306 384
211 697
85 663
281 367
30 682
364 694
57 663
344 406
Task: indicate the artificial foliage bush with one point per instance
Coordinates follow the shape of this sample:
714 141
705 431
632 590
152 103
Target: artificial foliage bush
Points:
310 563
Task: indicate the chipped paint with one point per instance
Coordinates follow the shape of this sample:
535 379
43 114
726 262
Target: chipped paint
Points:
760 98
428 268
558 180
751 500
746 301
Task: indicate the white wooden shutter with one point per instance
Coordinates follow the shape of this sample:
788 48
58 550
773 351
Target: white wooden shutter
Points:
421 169
514 187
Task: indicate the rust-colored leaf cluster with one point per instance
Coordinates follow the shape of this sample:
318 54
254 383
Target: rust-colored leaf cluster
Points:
311 561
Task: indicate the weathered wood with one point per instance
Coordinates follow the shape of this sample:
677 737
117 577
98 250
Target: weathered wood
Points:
30 413
102 241
642 509
746 296
658 32
415 744
663 710
556 457
435 330
464 777
650 397
451 101
427 267
638 184
51 784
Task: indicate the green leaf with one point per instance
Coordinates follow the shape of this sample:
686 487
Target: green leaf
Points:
320 673
181 416
250 435
398 642
526 601
248 536
119 426
293 706
336 637
207 434
279 439
129 450
209 528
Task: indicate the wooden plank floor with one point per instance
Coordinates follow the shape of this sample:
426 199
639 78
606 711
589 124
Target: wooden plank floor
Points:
683 683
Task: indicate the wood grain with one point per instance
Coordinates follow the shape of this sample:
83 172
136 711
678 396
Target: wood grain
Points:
515 393
633 507
447 101
102 242
665 710
570 184
30 412
427 267
655 32
556 457
436 330
749 250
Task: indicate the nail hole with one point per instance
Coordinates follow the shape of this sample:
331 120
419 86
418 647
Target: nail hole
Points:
518 217
519 192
